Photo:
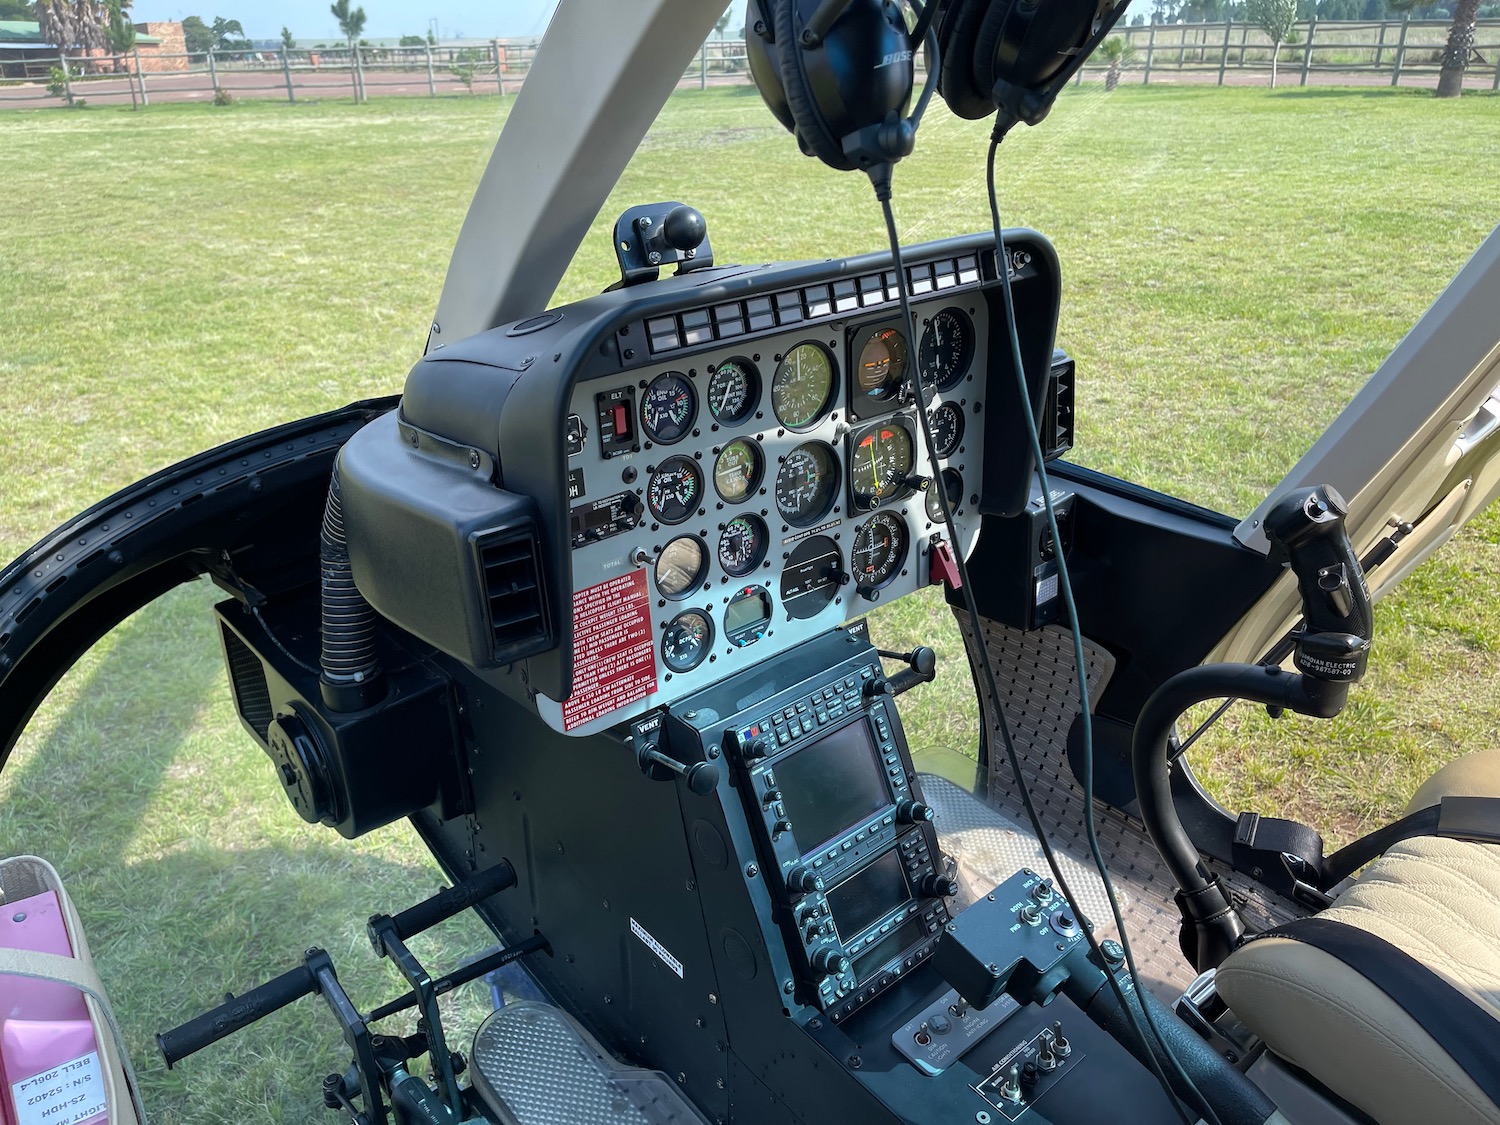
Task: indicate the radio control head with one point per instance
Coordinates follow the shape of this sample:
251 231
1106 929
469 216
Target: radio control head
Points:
830 962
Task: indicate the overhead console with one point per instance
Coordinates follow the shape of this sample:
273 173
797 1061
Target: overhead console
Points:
608 507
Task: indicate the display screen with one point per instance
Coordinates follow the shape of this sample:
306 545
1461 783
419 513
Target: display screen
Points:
832 784
908 933
868 896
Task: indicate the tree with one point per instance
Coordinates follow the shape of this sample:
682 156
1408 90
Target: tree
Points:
413 41
17 10
431 38
287 42
120 32
1460 46
222 29
351 20
197 35
1118 52
723 25
69 24
1275 18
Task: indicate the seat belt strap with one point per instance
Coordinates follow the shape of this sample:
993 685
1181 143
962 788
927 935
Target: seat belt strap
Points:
1457 1023
1476 819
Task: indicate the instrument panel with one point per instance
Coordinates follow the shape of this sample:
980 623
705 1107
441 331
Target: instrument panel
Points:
755 493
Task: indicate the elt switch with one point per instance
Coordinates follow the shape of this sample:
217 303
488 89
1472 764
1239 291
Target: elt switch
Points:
622 420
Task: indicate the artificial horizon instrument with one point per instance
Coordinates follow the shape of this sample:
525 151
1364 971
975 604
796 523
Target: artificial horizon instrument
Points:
587 606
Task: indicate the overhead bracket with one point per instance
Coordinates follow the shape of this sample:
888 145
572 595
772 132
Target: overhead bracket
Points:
657 234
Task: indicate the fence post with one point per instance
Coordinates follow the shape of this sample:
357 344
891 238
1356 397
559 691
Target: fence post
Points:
1380 45
1312 30
499 70
1150 46
1400 50
431 77
213 73
1496 84
703 66
1182 34
360 95
1244 39
134 102
141 78
286 70
1224 54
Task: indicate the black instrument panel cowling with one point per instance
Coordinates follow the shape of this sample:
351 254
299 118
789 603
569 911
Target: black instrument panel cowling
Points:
500 407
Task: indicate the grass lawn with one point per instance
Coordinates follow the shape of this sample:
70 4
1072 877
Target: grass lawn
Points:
1235 263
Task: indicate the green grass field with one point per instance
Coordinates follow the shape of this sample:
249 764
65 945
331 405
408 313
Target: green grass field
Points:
1235 263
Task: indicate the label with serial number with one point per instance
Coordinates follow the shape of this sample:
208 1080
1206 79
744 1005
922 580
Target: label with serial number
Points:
67 1094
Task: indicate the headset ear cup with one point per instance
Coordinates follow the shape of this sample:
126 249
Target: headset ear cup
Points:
812 132
1001 16
765 70
957 27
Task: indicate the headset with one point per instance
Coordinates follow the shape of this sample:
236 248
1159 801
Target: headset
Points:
839 74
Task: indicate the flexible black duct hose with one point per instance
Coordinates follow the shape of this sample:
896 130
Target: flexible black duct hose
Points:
351 671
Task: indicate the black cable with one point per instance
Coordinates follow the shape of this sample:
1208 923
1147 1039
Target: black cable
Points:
882 182
1065 586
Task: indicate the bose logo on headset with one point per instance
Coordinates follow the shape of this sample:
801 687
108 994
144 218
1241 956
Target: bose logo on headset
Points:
895 57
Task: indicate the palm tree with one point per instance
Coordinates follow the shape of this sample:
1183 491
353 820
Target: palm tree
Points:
120 32
1118 52
70 24
351 21
1460 47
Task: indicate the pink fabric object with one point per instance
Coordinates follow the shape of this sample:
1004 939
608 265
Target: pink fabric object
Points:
34 924
60 1058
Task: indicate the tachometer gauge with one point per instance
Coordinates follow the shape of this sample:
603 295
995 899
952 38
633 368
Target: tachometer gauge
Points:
947 428
737 471
950 482
742 545
880 462
878 551
802 387
733 391
680 566
882 363
947 348
686 641
676 489
807 483
668 408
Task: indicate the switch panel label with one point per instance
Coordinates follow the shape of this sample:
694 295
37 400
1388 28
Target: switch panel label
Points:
614 657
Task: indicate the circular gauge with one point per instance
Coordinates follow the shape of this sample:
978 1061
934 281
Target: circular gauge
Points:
747 616
687 639
807 483
882 363
676 489
953 485
947 348
802 387
947 428
811 577
668 408
733 391
680 566
880 462
737 471
878 550
742 545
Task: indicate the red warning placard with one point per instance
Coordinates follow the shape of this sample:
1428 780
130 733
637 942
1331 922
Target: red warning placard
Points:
614 657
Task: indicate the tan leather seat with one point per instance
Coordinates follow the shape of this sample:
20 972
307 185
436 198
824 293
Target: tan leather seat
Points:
1437 900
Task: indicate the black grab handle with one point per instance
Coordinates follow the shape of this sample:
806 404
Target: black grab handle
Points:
457 898
241 1011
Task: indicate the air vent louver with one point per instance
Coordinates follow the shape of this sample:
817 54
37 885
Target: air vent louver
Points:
247 680
514 599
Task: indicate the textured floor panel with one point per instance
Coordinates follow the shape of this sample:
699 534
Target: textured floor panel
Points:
994 847
1038 680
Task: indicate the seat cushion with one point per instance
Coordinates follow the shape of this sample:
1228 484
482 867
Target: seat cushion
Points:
1473 775
1439 901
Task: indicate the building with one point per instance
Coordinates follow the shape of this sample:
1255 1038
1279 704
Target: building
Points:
25 54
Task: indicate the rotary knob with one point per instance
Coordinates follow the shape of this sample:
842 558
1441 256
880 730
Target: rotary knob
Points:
757 747
803 878
913 812
830 962
940 886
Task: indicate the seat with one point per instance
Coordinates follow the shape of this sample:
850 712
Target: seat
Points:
1437 900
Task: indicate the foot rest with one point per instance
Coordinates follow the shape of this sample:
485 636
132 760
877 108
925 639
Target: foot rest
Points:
533 1065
